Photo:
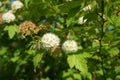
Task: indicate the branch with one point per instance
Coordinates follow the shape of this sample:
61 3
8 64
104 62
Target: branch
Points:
101 38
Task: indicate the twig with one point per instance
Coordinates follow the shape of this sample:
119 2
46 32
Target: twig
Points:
41 72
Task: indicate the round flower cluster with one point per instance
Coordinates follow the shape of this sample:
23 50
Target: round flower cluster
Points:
27 28
70 46
49 40
81 20
8 17
16 5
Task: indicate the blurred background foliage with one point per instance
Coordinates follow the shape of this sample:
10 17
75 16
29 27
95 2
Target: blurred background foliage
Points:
98 39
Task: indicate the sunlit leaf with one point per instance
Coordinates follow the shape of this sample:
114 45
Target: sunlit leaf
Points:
37 59
77 61
12 29
114 51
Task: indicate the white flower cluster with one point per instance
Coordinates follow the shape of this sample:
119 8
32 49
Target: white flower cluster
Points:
8 17
81 20
16 5
87 8
49 40
70 46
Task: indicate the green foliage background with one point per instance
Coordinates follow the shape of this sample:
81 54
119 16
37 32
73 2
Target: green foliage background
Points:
98 40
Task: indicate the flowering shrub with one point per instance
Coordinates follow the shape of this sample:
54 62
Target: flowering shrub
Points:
59 40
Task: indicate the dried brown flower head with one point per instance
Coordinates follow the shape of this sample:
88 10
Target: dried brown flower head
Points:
28 28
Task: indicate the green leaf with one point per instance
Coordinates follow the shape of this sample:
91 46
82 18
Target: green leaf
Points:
12 29
17 69
114 51
14 59
117 69
66 7
26 3
72 14
86 55
3 51
31 51
69 78
37 59
90 16
69 21
95 43
86 75
77 76
77 61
